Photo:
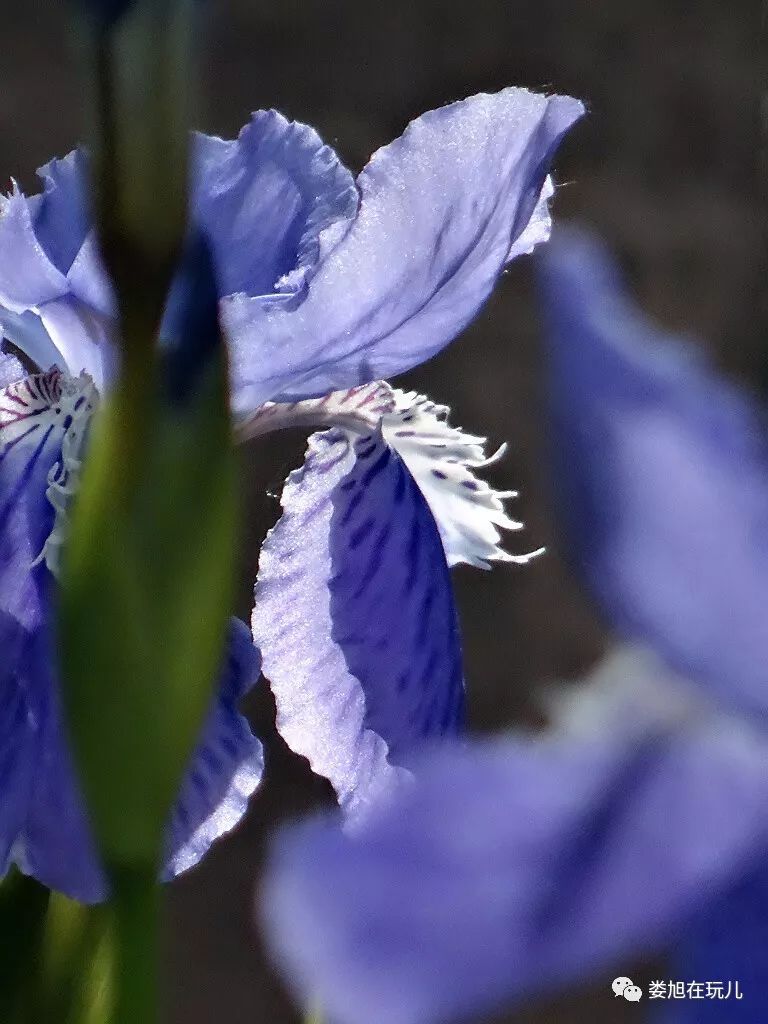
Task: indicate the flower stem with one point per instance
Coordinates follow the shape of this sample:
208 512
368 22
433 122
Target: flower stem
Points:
23 906
136 906
314 1015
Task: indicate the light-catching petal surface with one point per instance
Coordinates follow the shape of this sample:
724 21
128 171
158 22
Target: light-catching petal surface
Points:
355 620
441 212
443 459
663 473
512 867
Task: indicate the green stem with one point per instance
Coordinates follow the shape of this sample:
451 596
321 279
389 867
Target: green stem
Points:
23 906
136 906
314 1015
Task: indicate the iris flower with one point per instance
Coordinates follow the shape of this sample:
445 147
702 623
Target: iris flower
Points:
327 285
520 864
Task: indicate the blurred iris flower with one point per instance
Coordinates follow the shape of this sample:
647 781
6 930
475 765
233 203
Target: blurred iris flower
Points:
517 865
327 284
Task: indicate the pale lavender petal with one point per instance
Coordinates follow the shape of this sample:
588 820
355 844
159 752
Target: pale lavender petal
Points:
662 470
27 333
355 620
265 198
512 867
61 214
27 276
83 337
441 211
11 370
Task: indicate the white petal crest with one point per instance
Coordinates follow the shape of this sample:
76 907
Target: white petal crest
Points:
442 459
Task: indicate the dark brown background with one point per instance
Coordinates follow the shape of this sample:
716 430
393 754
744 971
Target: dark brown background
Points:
664 166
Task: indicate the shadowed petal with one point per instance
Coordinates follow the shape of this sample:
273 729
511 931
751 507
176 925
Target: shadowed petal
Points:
442 210
663 477
726 944
43 825
55 844
227 766
354 617
514 866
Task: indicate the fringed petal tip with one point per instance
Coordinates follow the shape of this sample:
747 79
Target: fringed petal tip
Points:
444 461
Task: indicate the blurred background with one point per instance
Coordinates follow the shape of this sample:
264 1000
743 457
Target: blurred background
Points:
664 166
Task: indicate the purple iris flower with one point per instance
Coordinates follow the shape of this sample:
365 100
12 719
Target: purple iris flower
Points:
521 864
326 285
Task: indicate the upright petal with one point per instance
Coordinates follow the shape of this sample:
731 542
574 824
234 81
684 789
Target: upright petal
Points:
62 217
265 198
442 210
27 276
514 866
355 619
663 477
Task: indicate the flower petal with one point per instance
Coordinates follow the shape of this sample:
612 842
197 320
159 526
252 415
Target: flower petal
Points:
722 945
264 200
443 460
61 214
36 414
55 843
16 748
663 471
355 619
514 866
441 211
27 276
226 767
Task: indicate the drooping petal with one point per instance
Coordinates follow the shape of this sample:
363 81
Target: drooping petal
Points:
43 824
36 414
227 766
515 866
663 477
16 749
55 844
264 200
441 211
355 620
